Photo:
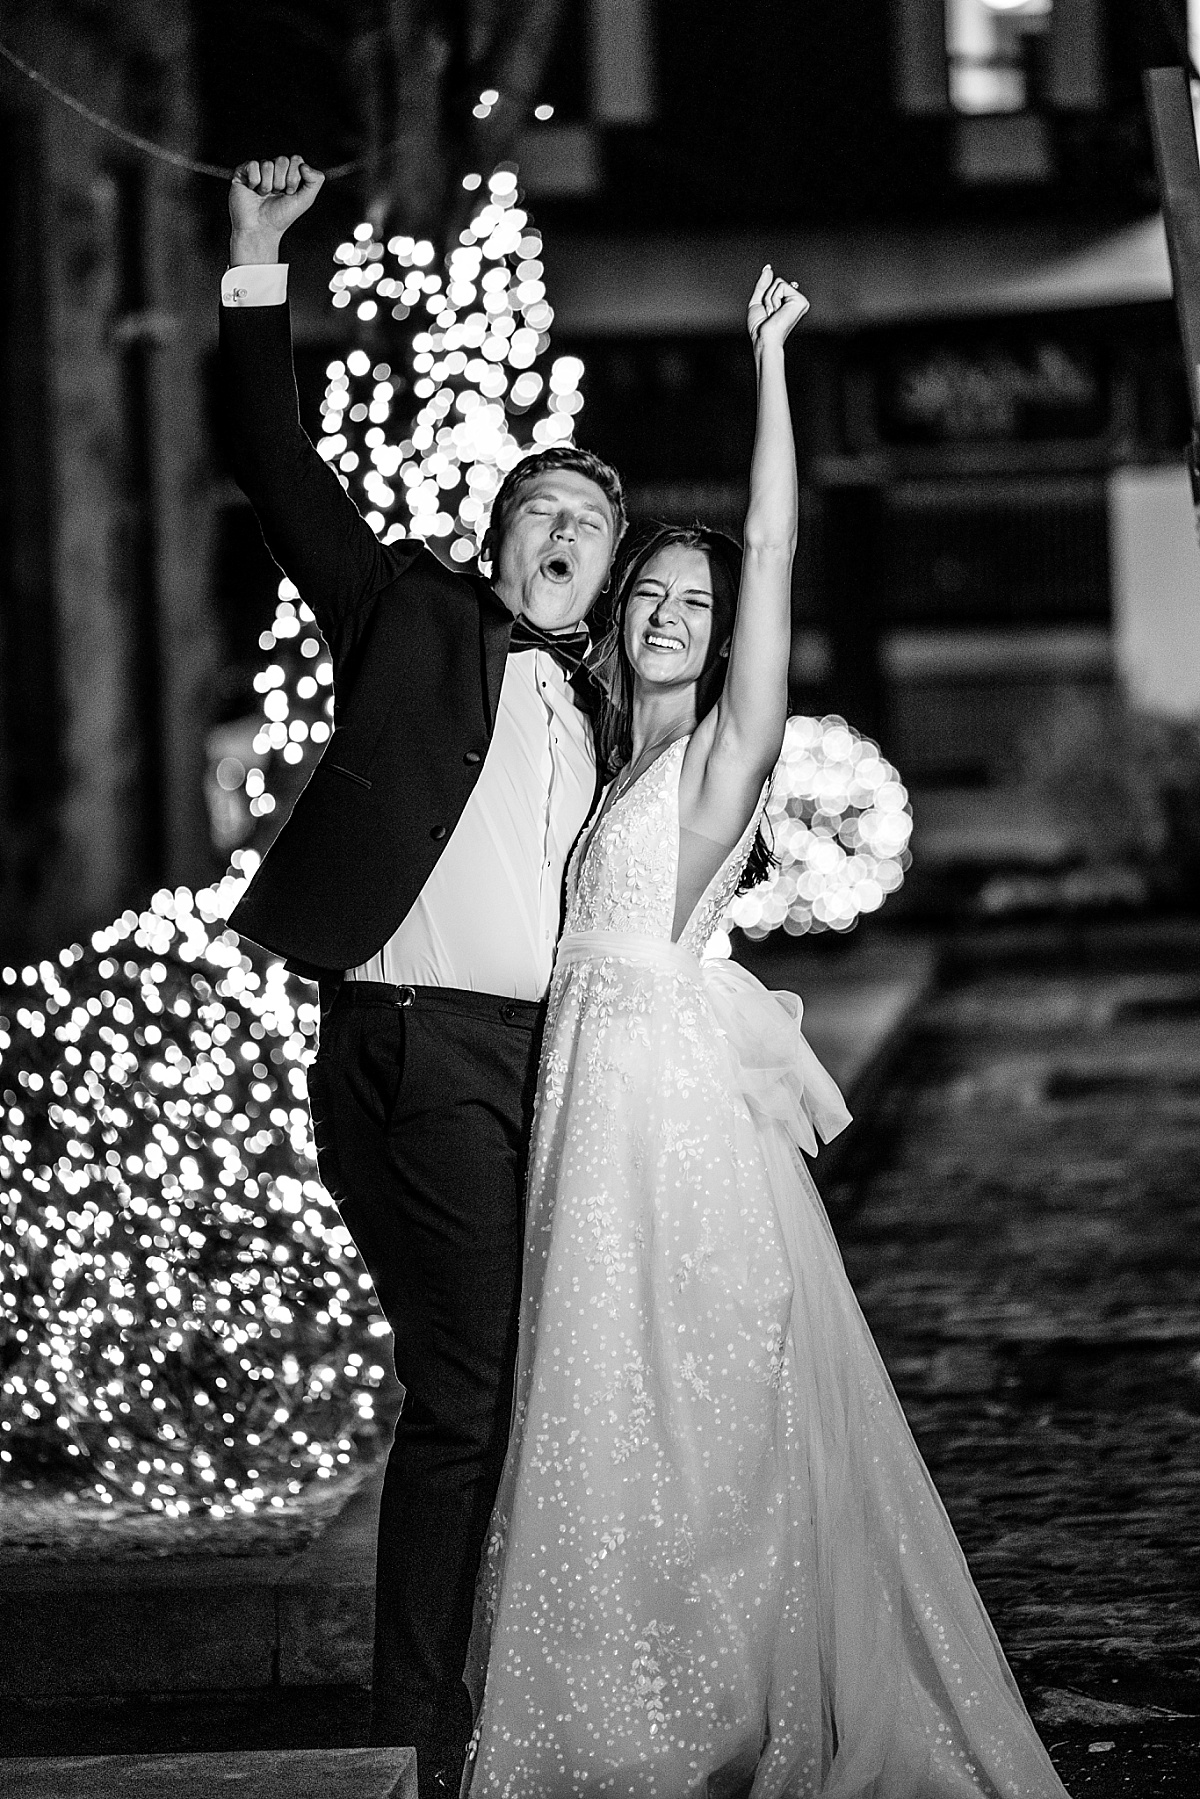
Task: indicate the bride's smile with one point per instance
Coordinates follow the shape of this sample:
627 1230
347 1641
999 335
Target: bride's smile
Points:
669 619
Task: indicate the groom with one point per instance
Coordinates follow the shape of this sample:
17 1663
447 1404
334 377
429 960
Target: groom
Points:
424 862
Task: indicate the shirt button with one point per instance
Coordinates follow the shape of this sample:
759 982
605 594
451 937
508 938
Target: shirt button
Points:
472 758
437 833
239 293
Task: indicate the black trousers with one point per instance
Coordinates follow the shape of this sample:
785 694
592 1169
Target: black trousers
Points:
421 1101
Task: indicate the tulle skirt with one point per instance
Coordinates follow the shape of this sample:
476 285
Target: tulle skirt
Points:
717 1563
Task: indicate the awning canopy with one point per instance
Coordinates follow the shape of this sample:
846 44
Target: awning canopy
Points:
631 286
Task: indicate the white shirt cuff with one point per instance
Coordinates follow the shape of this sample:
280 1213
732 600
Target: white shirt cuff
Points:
255 284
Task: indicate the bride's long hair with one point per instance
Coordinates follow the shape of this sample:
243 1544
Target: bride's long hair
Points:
610 667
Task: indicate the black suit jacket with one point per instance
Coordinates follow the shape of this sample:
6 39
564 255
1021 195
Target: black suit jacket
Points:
418 658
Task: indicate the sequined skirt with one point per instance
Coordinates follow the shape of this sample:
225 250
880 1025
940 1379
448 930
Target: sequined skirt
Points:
716 1557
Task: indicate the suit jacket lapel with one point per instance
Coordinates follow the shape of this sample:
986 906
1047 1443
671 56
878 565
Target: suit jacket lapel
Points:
495 625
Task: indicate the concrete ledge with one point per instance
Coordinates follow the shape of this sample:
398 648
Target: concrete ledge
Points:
254 1774
83 1629
166 1637
325 1629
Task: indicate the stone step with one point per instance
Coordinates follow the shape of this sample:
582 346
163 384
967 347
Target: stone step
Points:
251 1774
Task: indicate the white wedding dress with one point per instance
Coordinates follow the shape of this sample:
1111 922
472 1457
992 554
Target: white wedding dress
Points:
717 1563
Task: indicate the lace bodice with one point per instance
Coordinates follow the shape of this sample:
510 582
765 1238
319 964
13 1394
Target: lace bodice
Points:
623 873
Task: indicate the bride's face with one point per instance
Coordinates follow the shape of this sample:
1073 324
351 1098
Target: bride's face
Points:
669 618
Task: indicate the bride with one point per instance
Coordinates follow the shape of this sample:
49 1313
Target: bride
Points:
717 1564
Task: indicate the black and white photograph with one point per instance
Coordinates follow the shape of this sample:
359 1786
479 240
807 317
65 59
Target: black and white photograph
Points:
600 899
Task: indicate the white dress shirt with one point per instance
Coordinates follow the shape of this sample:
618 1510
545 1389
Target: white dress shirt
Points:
488 917
255 284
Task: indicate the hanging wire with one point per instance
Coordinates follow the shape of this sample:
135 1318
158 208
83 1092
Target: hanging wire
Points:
173 158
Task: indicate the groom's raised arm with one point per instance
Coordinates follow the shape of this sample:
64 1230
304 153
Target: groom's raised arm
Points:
311 526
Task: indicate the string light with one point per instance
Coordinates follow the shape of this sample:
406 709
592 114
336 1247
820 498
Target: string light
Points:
840 821
479 366
192 1328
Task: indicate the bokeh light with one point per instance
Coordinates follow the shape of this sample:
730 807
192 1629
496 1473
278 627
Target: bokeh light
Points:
186 1323
480 335
840 822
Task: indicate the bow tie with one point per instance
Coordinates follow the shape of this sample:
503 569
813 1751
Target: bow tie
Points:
567 647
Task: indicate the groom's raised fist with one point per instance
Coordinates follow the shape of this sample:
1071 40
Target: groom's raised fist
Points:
266 196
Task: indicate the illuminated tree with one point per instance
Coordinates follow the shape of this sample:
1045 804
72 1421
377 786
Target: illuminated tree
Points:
184 1320
479 367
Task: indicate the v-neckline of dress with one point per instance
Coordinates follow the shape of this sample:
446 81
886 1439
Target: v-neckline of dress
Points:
606 811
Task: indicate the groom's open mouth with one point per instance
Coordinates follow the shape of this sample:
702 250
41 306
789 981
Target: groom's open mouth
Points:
558 567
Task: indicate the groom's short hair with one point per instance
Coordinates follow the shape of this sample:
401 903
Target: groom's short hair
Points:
558 456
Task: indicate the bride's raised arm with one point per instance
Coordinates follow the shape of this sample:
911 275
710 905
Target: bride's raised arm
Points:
747 730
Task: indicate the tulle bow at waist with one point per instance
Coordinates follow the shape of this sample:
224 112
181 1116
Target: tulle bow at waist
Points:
777 1072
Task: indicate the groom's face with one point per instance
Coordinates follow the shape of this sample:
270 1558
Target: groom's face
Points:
554 554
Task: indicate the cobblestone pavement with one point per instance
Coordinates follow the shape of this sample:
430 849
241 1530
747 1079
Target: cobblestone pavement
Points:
1021 1221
